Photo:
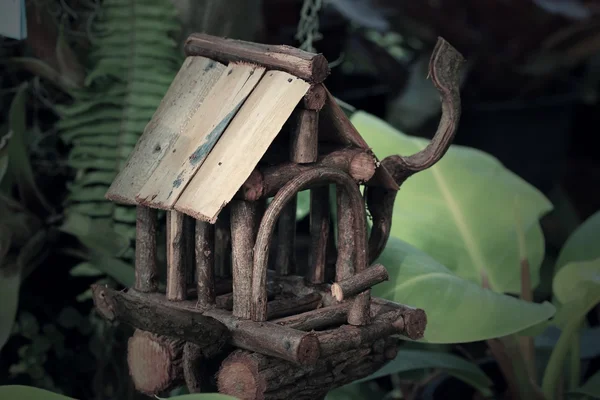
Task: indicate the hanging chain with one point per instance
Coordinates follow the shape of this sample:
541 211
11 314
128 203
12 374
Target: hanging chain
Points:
308 27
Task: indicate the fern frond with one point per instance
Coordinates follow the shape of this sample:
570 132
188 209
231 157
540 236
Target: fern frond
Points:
134 58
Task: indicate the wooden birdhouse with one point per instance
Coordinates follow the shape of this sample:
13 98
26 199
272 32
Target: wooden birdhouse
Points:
243 128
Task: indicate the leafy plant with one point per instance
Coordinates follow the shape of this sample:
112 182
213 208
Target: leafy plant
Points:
134 59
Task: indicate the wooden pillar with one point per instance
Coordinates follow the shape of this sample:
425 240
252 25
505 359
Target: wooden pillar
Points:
176 273
319 233
285 261
244 226
189 234
205 262
304 140
146 270
223 244
344 266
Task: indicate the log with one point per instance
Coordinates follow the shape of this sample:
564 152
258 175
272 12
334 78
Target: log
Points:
252 376
313 68
304 137
319 234
359 282
277 308
266 182
414 320
285 261
267 225
244 224
359 312
349 337
189 253
209 329
155 362
151 312
205 260
176 273
445 71
346 220
146 269
315 98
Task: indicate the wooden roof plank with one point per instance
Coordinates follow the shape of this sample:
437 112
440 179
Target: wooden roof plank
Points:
242 145
190 86
206 125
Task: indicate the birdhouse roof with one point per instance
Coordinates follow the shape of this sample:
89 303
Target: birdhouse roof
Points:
222 112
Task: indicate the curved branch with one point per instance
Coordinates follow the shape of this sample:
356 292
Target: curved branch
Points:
267 226
444 68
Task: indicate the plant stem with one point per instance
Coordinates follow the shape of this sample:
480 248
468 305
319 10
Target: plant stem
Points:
557 358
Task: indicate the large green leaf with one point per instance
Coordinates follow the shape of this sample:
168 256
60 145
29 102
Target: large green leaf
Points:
19 392
462 211
582 244
457 310
577 287
411 360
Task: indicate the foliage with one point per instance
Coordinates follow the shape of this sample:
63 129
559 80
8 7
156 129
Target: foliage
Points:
581 245
462 210
134 60
420 281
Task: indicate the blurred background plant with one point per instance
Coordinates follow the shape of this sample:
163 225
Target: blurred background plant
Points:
513 191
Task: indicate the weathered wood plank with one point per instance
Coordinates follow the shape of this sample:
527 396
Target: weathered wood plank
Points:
186 93
242 145
204 129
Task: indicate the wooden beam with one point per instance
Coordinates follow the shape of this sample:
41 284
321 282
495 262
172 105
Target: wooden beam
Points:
146 269
359 282
266 182
176 273
313 68
188 90
315 98
319 234
304 137
205 262
285 261
206 328
245 217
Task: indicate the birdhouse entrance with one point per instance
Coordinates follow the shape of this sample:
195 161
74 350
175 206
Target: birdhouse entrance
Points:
243 123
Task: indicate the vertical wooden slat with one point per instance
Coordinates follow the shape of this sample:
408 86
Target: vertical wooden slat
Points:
146 270
319 233
205 260
223 244
285 263
176 274
244 226
344 266
304 137
189 233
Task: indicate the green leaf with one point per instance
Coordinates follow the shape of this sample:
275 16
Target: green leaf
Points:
10 281
96 235
577 286
303 206
462 210
582 244
85 269
591 387
115 268
19 392
19 165
411 360
418 280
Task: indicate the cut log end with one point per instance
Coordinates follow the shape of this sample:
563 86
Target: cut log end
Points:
248 382
155 362
308 350
415 322
337 292
362 167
